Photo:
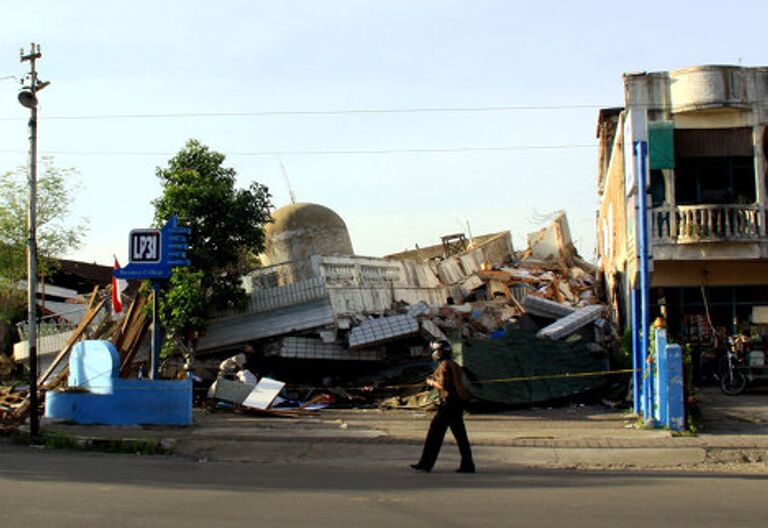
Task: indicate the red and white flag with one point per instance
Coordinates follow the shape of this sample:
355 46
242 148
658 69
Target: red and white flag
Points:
118 285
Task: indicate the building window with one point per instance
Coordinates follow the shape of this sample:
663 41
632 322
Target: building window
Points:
715 180
658 188
714 166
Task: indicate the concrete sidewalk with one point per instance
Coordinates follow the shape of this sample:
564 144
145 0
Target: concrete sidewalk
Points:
733 436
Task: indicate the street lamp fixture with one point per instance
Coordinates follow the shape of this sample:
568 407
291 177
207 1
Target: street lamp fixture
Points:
27 99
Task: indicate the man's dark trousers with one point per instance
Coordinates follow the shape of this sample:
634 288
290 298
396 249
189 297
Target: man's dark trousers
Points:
449 414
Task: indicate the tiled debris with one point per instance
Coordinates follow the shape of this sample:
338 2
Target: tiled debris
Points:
383 329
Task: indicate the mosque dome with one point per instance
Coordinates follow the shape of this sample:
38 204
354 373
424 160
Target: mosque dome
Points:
301 230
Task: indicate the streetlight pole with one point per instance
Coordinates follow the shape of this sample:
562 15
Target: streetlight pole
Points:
28 99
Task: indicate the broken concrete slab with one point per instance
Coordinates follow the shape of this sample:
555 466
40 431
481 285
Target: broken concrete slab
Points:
431 330
266 299
381 330
418 309
230 391
470 284
230 331
546 308
311 348
554 241
450 271
566 291
497 288
571 323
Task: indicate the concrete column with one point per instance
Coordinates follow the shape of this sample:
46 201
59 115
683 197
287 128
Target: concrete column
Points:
761 166
660 376
675 397
669 178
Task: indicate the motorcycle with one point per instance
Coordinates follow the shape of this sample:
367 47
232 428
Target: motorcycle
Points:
741 365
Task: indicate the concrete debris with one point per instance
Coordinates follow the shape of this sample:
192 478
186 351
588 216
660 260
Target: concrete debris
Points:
232 364
376 331
546 308
418 309
571 323
470 284
431 331
351 310
11 401
263 394
553 242
230 391
311 348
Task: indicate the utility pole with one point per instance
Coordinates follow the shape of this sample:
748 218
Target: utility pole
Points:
28 98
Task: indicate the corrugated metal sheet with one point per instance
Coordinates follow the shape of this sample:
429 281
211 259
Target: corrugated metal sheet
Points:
234 330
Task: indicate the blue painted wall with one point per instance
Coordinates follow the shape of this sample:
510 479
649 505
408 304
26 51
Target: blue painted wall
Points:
114 401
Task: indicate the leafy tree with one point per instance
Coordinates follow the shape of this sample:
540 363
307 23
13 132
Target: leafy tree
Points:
227 231
55 233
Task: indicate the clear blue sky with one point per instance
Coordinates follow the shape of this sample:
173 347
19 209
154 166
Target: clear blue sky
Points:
165 57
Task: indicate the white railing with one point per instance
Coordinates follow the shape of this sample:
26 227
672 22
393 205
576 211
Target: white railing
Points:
687 224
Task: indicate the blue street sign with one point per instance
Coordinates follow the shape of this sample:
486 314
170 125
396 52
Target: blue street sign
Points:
145 246
152 252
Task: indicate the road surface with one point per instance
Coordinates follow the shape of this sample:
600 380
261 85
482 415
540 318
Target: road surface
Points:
41 488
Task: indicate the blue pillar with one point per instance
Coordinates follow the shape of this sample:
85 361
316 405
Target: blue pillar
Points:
662 378
641 172
675 415
637 356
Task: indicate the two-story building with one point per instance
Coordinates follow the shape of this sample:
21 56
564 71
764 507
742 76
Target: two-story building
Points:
707 202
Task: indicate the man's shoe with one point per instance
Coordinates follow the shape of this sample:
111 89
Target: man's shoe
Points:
466 470
419 467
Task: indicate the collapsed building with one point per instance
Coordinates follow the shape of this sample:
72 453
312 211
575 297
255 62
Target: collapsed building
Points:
315 300
526 326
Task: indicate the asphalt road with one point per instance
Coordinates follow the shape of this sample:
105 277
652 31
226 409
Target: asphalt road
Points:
41 488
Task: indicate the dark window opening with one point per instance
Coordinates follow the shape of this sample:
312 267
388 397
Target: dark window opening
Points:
658 188
715 180
765 154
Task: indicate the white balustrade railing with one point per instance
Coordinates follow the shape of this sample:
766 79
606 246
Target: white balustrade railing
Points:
708 223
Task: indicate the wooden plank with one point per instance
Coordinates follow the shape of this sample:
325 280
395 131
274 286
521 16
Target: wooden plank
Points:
129 316
502 276
133 331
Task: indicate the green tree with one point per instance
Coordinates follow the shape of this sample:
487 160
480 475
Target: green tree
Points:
227 231
56 234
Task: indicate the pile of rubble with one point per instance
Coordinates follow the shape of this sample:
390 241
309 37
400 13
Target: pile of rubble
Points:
381 312
377 314
11 404
485 294
127 334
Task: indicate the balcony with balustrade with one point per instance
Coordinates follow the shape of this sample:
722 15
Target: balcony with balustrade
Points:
695 224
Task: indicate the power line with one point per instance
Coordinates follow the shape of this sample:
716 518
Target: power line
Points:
342 152
352 111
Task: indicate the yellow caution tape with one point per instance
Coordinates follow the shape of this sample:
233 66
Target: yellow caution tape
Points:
502 380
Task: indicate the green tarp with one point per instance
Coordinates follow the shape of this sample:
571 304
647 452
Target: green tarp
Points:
521 354
661 144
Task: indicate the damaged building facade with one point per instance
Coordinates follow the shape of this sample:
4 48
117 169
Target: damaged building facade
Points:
508 314
707 201
315 299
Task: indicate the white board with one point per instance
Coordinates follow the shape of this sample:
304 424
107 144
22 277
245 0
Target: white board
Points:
263 394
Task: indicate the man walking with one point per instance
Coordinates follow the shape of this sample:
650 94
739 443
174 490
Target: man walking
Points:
450 413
